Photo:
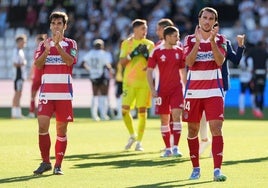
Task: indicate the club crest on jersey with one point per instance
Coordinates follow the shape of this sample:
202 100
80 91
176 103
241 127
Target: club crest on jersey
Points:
185 115
177 56
163 58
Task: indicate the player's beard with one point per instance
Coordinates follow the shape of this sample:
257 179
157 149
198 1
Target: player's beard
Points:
206 30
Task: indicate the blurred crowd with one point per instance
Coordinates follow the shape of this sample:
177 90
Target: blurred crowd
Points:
110 20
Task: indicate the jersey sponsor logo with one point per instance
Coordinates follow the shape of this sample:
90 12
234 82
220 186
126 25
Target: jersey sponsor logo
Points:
54 59
205 56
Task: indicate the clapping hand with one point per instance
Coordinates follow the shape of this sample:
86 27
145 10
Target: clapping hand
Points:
134 53
240 40
197 34
142 49
47 43
213 33
57 38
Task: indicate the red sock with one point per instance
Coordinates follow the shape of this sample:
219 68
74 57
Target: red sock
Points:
217 151
165 131
176 133
32 106
44 146
193 144
60 148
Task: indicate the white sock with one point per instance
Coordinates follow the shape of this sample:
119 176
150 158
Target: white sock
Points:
252 98
19 113
94 107
13 112
241 101
119 107
103 101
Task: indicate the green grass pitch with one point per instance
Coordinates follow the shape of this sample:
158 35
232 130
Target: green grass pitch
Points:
95 156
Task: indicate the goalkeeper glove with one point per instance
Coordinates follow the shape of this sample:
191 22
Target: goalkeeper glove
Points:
134 53
142 48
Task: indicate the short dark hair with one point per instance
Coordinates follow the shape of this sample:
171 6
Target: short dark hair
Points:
169 30
208 9
40 37
164 22
59 14
138 22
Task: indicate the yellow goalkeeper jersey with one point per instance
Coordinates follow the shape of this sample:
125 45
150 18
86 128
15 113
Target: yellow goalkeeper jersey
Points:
135 70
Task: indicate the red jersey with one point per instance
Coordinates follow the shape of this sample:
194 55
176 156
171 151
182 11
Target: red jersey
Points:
168 61
204 78
37 73
57 76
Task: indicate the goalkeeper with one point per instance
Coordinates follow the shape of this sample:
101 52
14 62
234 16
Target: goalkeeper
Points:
134 53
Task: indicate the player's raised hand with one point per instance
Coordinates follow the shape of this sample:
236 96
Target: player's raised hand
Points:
214 31
135 52
197 33
240 40
46 43
142 49
58 37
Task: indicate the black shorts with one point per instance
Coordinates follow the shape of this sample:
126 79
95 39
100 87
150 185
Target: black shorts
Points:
119 89
100 81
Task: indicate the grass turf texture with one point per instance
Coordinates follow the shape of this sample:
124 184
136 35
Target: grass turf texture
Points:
230 113
95 156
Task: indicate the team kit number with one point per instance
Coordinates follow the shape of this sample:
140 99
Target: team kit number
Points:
187 106
158 101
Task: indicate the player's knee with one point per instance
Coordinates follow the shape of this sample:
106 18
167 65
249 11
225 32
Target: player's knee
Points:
125 111
142 114
142 110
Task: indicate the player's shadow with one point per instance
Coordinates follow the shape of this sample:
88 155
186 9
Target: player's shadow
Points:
123 160
175 183
22 178
253 160
126 159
